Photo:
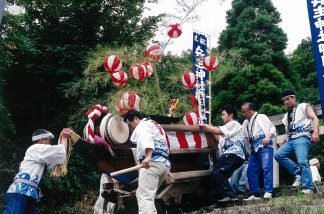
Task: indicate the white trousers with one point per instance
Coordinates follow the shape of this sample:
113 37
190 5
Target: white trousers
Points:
102 206
149 181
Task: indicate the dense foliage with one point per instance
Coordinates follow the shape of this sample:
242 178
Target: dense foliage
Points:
254 67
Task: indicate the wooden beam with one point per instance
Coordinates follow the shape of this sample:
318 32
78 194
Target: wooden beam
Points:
186 175
183 128
193 151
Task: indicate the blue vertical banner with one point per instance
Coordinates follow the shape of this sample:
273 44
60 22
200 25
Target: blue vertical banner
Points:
199 52
316 21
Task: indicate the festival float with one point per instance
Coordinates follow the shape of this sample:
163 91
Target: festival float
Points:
105 140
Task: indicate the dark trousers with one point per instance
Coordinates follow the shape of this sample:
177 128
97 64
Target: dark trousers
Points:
225 165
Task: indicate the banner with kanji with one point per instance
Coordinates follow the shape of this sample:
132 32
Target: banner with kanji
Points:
199 52
316 21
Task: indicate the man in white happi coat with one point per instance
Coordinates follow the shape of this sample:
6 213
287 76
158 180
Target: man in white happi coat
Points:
23 193
259 131
153 153
302 127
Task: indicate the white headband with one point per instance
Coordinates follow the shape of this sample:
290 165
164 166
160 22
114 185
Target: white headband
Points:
41 136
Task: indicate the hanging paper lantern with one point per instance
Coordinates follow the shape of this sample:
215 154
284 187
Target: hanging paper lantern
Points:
210 63
119 78
137 71
130 100
190 118
153 52
174 30
189 79
112 63
149 68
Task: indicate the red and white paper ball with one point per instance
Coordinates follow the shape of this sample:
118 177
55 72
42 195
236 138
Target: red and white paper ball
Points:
210 63
137 71
149 68
174 30
112 63
153 52
130 100
189 79
119 78
120 108
190 118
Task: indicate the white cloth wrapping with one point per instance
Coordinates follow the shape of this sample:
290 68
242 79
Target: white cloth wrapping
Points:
102 206
315 174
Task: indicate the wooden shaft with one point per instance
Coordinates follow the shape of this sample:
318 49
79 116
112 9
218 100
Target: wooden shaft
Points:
123 171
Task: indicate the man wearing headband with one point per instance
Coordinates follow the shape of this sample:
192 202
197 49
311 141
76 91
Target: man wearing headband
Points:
23 193
302 127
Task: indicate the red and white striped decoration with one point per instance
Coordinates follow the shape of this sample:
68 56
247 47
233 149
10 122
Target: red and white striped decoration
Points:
174 30
92 115
137 71
120 108
190 118
153 52
189 79
112 63
119 78
184 140
211 63
130 100
149 68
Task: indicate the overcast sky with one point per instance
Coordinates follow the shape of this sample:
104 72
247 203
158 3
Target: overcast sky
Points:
212 22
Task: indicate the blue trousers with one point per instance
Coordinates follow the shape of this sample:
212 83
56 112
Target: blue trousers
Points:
239 179
262 158
15 203
225 165
299 147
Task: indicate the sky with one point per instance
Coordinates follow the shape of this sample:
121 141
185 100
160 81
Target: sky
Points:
212 22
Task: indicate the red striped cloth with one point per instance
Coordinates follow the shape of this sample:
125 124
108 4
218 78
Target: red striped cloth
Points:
184 140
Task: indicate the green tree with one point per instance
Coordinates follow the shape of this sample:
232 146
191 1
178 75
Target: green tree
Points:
253 64
58 36
44 48
303 63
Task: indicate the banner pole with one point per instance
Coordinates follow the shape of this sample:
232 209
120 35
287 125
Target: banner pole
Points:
316 18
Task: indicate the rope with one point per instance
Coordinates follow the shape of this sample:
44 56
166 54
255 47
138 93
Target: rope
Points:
93 114
61 169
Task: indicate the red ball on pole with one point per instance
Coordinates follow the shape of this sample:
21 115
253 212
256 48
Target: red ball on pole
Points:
137 71
112 63
149 68
153 52
174 30
211 63
189 79
119 78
